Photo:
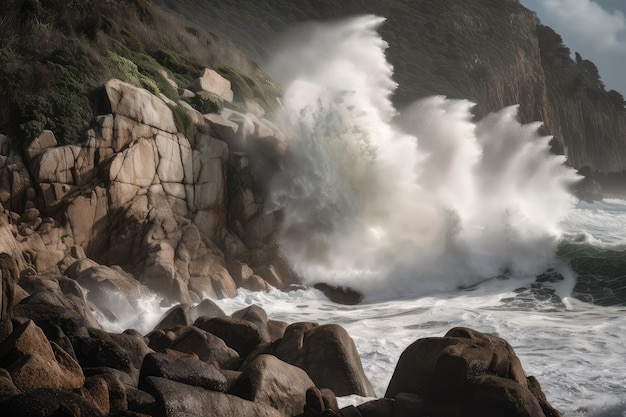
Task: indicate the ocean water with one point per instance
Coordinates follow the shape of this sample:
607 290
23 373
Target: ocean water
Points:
440 220
575 347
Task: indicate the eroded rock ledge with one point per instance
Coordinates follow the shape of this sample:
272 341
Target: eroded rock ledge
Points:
141 205
200 362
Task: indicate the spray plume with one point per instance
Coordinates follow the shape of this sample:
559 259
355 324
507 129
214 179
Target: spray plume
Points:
424 201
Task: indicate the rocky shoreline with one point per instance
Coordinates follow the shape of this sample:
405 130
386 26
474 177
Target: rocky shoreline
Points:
57 361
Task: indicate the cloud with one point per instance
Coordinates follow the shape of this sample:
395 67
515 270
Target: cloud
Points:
587 22
594 28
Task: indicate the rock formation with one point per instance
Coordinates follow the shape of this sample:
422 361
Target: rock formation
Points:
55 363
141 205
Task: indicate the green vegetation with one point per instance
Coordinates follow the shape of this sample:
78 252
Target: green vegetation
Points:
55 57
206 102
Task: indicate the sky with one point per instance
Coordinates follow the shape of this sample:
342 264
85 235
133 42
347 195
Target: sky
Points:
594 28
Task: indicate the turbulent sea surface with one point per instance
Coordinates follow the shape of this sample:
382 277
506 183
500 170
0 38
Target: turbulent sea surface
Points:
569 332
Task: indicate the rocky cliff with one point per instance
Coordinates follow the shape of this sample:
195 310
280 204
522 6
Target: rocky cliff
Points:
495 53
144 183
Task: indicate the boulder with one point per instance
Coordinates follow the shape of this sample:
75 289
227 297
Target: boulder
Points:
241 335
214 83
33 362
466 372
206 308
186 370
139 105
207 346
381 407
181 400
270 381
340 295
93 352
328 355
175 316
223 128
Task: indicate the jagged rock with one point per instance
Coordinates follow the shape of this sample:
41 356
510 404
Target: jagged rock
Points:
182 369
92 352
208 347
133 345
138 104
466 371
381 407
270 381
175 316
214 83
180 400
241 335
328 355
33 362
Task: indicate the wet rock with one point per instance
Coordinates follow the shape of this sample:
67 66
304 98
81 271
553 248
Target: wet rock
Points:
206 308
466 372
207 346
180 400
241 335
340 295
175 316
328 355
270 381
182 369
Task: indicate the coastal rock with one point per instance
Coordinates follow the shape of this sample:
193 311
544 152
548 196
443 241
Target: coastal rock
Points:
45 140
180 400
186 370
241 335
328 355
138 104
270 381
466 371
214 83
207 346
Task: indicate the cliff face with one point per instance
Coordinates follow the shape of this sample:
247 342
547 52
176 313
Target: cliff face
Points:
494 53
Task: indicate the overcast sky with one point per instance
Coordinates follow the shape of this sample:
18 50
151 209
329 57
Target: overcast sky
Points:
594 28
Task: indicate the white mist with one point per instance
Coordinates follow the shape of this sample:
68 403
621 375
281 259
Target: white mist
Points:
424 202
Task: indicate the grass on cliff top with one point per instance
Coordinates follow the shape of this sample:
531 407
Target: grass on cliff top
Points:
55 57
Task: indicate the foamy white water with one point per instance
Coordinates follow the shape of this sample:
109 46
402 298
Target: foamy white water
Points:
422 203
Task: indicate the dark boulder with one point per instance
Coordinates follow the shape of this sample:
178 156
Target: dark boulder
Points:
382 407
207 346
174 317
328 355
466 373
181 400
340 295
270 381
182 369
241 335
93 352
